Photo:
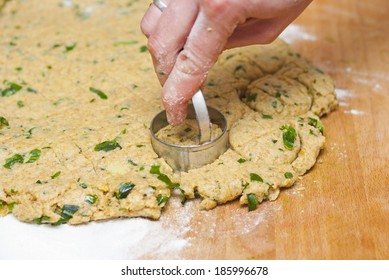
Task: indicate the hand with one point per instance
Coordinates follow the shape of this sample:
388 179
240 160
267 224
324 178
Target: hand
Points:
186 39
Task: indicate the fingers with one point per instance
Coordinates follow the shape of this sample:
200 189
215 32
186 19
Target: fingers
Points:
206 41
150 20
264 29
169 35
255 32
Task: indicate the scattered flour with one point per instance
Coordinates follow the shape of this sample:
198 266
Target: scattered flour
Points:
135 238
342 94
355 112
295 32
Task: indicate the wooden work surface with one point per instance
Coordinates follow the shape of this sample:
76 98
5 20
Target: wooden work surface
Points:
340 209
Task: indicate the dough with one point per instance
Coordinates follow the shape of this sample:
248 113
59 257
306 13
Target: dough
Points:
186 134
77 97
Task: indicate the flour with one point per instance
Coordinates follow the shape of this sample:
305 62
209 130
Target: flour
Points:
355 112
116 239
295 32
343 94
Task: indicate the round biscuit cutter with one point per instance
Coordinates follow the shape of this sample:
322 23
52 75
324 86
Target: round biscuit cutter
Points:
184 158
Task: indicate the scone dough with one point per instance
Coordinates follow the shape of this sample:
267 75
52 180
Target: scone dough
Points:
78 92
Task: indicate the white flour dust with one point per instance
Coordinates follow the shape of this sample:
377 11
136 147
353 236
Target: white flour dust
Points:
355 112
116 239
295 32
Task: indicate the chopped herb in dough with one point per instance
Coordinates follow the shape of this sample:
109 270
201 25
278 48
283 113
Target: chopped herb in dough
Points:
33 156
107 146
100 93
3 122
289 135
11 89
252 201
255 177
11 161
124 190
55 175
288 175
66 213
162 199
316 123
90 198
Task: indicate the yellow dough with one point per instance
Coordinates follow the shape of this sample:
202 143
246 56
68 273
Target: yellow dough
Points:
77 95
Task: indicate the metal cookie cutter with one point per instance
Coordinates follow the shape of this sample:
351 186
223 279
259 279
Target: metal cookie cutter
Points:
183 158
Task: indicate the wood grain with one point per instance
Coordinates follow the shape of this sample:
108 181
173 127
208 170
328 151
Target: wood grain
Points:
340 209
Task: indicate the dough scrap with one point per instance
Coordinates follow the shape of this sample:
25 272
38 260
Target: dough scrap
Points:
77 97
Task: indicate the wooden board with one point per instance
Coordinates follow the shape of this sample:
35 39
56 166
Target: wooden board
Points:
340 209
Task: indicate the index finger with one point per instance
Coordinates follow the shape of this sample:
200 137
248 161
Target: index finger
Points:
209 34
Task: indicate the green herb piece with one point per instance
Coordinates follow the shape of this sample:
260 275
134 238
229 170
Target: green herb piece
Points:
83 185
69 47
20 103
240 67
90 198
188 129
67 213
184 197
18 69
11 206
288 175
131 42
55 175
230 56
124 131
251 97
143 49
124 190
164 178
241 160
155 169
255 177
274 57
31 90
267 117
41 182
289 135
140 145
101 94
41 220
11 89
3 122
278 94
316 123
274 141
56 46
312 132
245 185
252 201
2 204
11 161
34 156
274 104
107 146
132 162
162 199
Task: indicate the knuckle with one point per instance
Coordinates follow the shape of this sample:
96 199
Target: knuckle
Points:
193 63
155 47
216 6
